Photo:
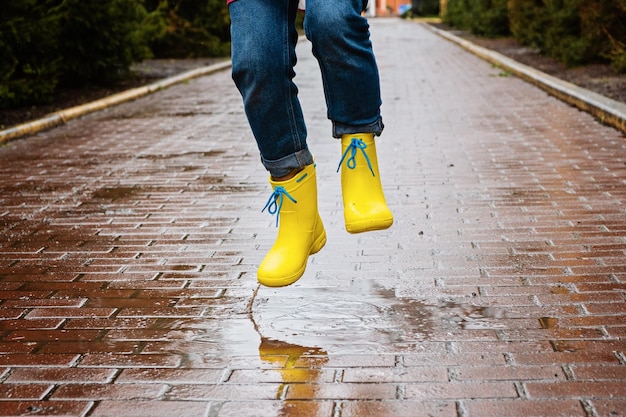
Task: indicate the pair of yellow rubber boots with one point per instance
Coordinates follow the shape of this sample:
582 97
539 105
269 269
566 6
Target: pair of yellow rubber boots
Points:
300 229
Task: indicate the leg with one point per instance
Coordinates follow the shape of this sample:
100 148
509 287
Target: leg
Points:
341 44
263 55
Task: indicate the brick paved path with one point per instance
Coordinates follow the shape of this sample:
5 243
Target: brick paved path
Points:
130 239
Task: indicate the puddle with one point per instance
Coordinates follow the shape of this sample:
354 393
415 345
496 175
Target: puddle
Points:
365 317
201 340
297 321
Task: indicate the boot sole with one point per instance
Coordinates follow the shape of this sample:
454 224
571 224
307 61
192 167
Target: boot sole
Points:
285 281
368 225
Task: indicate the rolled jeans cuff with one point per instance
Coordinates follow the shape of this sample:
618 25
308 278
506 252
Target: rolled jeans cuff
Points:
283 166
340 129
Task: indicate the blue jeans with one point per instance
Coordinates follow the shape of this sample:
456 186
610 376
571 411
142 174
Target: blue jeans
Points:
264 38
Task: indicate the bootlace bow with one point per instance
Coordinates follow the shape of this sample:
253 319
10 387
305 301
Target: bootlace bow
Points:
275 202
353 148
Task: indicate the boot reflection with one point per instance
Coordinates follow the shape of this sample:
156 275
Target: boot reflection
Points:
300 378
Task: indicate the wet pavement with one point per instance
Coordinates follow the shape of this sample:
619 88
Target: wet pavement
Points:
130 240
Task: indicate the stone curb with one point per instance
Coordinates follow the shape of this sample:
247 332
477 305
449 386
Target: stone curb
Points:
608 111
63 116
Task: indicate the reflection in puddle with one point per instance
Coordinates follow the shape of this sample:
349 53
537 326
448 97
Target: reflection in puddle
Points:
286 356
548 322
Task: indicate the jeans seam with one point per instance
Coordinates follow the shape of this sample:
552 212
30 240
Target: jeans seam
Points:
289 50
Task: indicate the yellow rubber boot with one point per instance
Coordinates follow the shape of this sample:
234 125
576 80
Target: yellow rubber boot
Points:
364 205
300 229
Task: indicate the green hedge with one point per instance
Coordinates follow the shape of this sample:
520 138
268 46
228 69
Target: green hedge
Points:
481 17
99 40
187 28
574 32
30 64
423 8
48 44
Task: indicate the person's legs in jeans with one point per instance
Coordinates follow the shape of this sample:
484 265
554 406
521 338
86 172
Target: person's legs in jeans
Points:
263 56
341 43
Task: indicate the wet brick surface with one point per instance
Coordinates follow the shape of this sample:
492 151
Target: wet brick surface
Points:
129 242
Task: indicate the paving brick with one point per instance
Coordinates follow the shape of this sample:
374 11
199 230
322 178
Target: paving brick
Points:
99 392
302 375
171 376
121 347
12 313
460 390
471 359
23 303
555 358
17 347
23 295
61 375
511 373
110 323
48 408
53 335
599 372
398 408
505 346
37 360
265 408
609 408
575 389
53 312
230 392
95 293
160 312
524 408
346 361
374 391
388 375
24 392
138 408
128 361
551 334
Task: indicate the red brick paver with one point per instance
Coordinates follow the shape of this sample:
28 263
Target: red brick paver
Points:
129 241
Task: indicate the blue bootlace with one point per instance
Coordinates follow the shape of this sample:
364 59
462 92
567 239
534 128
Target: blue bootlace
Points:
275 202
354 146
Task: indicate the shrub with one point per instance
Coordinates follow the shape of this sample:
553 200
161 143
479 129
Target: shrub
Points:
425 7
458 14
564 39
99 40
528 21
46 44
29 59
481 17
572 31
603 24
187 28
490 18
